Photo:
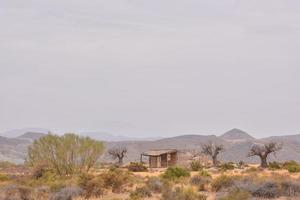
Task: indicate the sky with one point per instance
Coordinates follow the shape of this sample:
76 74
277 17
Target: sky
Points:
150 68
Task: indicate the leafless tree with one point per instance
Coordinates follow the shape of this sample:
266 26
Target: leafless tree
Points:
118 153
213 150
263 151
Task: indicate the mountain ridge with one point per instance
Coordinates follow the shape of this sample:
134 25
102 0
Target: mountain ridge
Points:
236 142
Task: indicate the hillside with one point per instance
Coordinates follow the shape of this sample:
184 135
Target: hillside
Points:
236 134
236 142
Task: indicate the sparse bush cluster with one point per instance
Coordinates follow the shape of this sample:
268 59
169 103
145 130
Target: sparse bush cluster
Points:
292 166
114 179
181 193
137 167
243 187
196 165
140 193
173 173
275 165
156 184
227 166
222 182
3 177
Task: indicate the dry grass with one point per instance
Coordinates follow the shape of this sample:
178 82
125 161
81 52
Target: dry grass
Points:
140 179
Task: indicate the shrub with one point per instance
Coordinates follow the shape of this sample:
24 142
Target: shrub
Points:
290 188
241 164
196 165
140 193
6 164
289 163
42 193
221 182
155 184
274 165
116 179
173 173
204 173
267 190
84 150
227 166
39 170
4 177
91 186
237 194
181 193
137 167
67 193
294 169
16 192
251 170
200 181
292 166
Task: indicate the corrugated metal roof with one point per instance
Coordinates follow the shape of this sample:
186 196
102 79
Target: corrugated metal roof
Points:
158 152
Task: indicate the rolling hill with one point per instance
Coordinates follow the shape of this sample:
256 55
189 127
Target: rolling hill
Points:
236 142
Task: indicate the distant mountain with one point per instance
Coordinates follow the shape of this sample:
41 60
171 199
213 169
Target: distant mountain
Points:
104 136
236 142
236 134
31 136
18 132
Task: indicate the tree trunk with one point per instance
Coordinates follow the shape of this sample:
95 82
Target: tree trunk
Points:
120 163
264 163
215 161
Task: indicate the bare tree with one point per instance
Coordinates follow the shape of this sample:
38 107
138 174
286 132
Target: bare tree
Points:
118 153
213 150
263 151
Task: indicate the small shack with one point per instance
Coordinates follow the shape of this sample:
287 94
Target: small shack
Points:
161 158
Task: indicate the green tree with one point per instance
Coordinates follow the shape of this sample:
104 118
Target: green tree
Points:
67 154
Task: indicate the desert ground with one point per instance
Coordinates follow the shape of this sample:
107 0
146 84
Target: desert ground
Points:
226 182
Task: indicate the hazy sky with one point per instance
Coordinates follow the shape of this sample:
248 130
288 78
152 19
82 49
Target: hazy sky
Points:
151 67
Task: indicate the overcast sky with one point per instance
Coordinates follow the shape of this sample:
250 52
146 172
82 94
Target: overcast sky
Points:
151 67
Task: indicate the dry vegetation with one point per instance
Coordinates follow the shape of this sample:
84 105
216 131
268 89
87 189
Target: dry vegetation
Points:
66 173
229 181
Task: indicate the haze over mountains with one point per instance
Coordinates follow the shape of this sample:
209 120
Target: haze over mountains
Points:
236 142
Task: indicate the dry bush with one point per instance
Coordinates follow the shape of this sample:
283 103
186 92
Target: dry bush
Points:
274 165
116 179
173 173
67 193
252 170
91 186
221 182
137 167
241 164
266 187
267 190
140 193
6 164
292 166
42 193
3 178
290 188
200 181
39 170
237 194
181 193
16 192
227 166
155 184
196 165
204 173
